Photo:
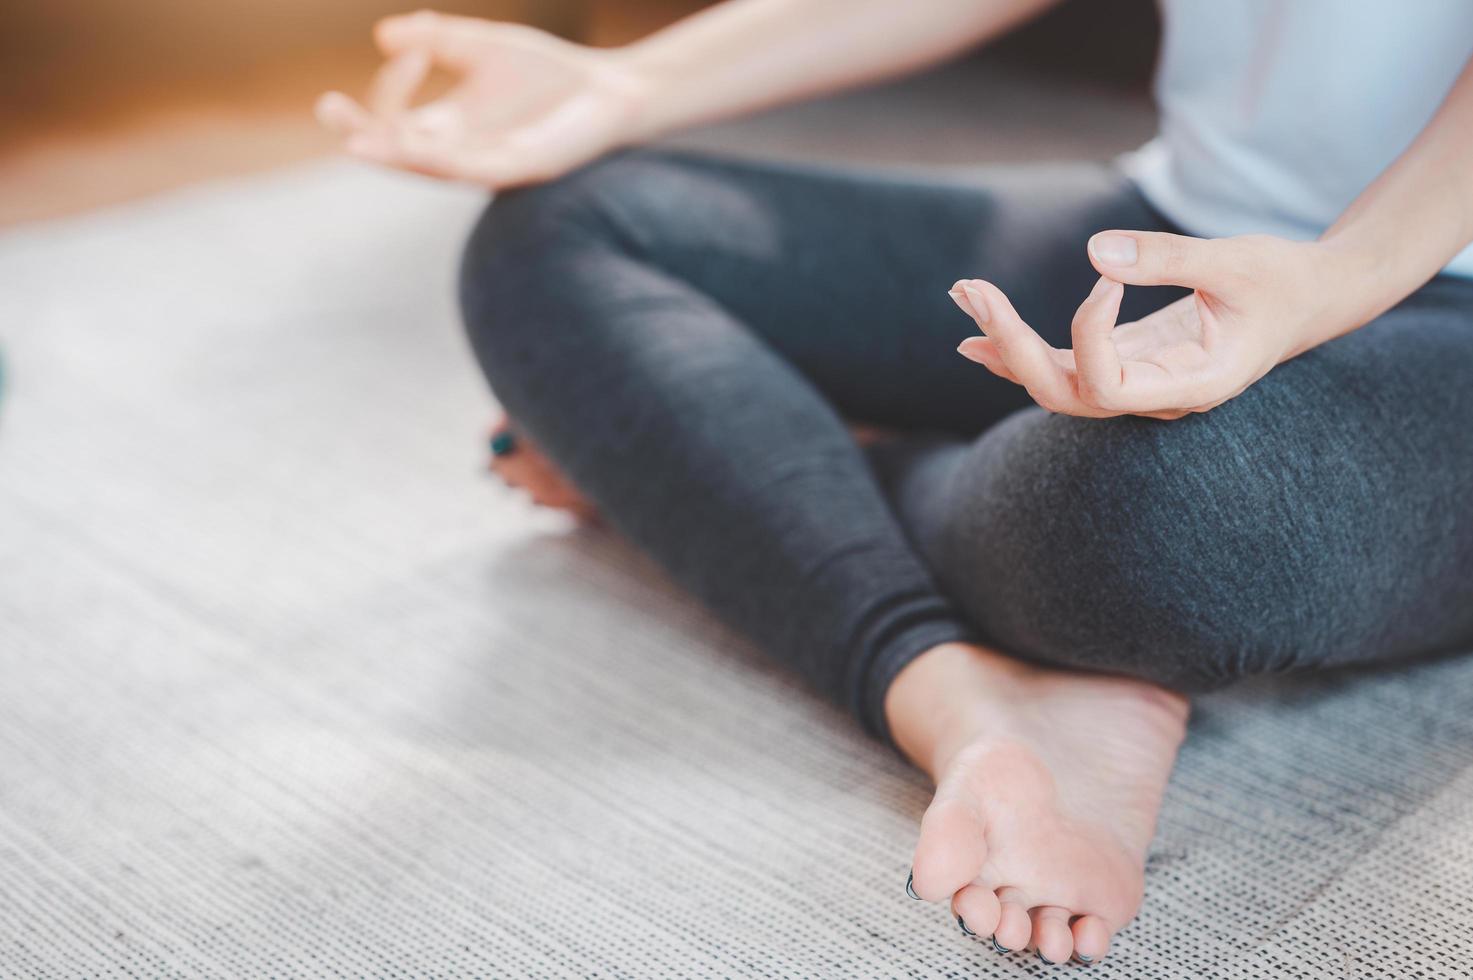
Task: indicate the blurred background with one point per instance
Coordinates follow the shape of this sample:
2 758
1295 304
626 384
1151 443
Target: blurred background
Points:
107 100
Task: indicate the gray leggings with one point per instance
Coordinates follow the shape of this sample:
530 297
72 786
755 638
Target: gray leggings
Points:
685 337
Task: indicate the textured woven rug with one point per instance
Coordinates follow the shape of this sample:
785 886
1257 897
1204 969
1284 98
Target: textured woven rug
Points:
289 688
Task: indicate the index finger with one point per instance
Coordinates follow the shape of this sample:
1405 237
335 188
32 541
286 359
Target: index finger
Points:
395 83
455 42
1024 352
1096 360
341 115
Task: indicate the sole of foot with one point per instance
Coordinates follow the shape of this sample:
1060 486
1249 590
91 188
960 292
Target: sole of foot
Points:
1048 783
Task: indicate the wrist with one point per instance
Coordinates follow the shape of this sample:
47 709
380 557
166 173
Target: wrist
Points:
644 77
1353 285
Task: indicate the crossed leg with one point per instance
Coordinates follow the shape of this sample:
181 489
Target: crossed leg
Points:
682 336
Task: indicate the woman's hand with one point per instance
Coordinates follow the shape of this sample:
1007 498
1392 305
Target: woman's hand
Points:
526 107
1258 301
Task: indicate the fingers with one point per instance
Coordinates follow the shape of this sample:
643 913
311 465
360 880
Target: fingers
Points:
390 143
1182 359
341 115
431 140
1153 258
373 131
984 352
455 42
395 83
1027 358
427 140
405 148
1096 360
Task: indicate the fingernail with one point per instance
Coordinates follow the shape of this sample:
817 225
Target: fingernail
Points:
962 350
1113 249
503 443
910 886
963 924
959 297
978 303
1046 959
999 946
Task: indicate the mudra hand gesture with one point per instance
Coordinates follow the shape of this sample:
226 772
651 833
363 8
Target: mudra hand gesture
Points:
1258 301
525 107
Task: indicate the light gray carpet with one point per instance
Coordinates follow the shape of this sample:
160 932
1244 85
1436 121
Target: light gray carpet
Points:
289 688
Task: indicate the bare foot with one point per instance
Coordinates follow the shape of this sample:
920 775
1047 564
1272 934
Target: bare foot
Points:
521 464
1048 786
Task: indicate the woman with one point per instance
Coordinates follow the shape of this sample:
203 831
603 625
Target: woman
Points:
1259 465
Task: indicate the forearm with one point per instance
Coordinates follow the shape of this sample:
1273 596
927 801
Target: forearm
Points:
744 55
1411 220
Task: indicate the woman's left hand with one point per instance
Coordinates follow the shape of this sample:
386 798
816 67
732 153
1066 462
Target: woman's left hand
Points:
1258 301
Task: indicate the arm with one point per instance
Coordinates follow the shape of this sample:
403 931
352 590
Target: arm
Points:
1258 300
751 54
1413 218
529 106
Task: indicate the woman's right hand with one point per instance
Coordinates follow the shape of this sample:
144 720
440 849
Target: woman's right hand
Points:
526 106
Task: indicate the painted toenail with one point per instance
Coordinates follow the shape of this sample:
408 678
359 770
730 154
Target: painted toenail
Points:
910 888
999 946
1046 959
963 923
503 444
1084 958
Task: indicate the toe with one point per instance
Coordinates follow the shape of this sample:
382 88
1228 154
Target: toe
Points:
1051 936
951 849
1091 939
976 910
1013 925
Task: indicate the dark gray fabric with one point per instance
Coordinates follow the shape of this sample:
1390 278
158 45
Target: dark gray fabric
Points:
685 336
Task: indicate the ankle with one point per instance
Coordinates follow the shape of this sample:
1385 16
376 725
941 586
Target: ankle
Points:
942 697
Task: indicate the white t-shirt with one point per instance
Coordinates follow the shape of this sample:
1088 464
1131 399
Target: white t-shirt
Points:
1276 114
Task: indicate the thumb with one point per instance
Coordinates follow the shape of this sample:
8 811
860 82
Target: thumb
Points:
1153 258
452 41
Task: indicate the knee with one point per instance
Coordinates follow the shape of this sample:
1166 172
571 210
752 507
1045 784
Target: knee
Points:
1141 547
533 256
524 235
